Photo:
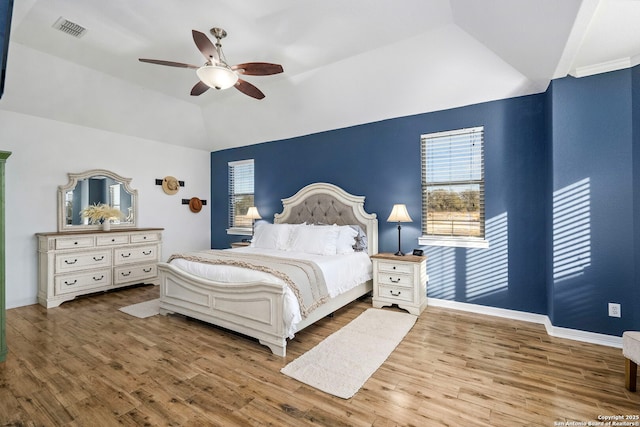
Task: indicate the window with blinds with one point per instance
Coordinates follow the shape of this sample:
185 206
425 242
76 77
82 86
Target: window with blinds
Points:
240 193
453 184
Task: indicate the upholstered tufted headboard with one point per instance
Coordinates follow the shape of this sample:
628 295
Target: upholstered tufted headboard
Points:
323 203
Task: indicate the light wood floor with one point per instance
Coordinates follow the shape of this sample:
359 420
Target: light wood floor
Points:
88 364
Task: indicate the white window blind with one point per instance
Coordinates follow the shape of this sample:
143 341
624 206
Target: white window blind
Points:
453 183
241 180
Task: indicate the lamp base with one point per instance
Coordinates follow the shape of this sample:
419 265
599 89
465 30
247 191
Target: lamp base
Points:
399 253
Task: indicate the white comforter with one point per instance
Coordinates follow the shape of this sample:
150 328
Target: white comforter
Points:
341 273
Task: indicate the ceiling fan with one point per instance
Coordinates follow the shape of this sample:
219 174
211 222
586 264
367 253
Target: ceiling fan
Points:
216 73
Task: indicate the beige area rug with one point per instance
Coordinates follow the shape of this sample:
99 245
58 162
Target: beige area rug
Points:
343 362
143 309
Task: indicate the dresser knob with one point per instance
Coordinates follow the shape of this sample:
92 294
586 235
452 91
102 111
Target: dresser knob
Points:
395 295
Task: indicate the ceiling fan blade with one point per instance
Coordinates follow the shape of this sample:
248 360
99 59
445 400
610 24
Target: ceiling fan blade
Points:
249 89
258 68
206 46
168 63
199 89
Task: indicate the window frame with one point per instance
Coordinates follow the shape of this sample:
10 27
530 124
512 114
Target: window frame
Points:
233 227
467 241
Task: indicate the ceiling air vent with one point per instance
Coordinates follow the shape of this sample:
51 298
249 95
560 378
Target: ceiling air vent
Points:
69 27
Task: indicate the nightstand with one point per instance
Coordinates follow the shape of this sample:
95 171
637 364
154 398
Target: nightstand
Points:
240 244
400 280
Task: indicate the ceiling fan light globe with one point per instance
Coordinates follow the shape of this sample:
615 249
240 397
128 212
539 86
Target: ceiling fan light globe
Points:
217 77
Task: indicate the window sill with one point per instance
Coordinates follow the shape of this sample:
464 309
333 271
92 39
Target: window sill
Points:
239 231
455 242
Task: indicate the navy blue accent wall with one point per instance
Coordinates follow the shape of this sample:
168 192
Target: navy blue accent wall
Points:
382 162
560 170
635 117
593 248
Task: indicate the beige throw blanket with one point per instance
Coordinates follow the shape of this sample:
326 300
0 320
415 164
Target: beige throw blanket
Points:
303 277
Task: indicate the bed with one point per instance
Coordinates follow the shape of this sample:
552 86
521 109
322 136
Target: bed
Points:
257 307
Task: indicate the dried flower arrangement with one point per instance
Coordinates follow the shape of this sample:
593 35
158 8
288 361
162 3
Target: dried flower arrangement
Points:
100 212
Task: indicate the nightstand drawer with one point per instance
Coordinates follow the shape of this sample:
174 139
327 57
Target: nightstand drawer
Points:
398 267
395 293
403 280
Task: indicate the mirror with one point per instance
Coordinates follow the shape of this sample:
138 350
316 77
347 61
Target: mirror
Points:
92 187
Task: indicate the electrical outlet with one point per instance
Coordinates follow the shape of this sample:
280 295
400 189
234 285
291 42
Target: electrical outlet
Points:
614 309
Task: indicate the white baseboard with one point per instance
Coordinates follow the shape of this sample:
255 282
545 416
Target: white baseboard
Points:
554 331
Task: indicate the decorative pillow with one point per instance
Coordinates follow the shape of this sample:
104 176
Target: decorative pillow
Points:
346 239
271 236
361 244
314 240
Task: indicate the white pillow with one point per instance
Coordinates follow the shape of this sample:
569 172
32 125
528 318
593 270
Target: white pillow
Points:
271 236
346 239
314 240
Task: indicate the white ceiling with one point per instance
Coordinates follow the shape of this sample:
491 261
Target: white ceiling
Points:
346 62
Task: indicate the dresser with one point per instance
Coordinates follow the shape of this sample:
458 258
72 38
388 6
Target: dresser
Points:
76 263
400 280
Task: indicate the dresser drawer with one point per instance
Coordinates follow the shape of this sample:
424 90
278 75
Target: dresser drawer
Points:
398 267
75 242
393 279
135 273
82 281
112 240
395 293
145 237
135 254
75 261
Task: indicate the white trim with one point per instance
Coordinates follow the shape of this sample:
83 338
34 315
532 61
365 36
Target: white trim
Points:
239 231
603 67
454 242
554 331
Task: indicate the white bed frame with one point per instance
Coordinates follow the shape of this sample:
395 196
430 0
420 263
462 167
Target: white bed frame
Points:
256 308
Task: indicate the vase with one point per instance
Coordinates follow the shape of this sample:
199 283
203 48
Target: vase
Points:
106 225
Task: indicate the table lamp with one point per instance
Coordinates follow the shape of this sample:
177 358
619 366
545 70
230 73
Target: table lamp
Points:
399 214
253 214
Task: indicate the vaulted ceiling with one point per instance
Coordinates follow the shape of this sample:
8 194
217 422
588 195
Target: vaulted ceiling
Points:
346 62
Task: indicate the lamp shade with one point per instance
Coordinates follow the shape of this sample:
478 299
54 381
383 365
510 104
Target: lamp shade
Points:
399 214
217 77
252 213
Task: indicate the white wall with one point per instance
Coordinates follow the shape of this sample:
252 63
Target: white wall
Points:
44 151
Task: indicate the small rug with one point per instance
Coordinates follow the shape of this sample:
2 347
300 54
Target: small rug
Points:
343 362
143 309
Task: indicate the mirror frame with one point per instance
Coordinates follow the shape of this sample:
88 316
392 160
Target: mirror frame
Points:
73 181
